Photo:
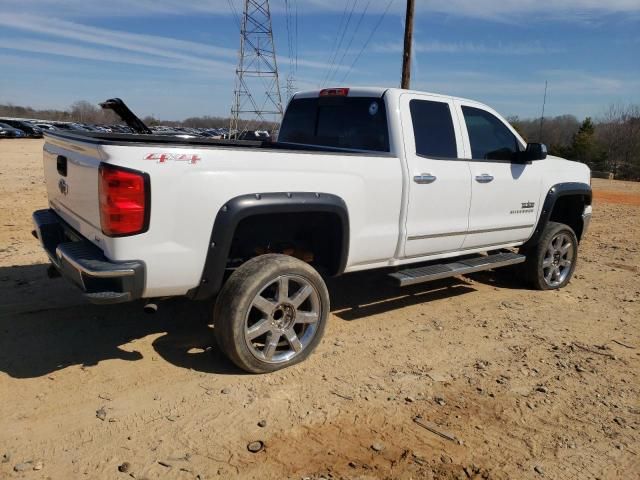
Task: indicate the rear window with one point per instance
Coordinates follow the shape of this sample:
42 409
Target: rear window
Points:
433 129
358 123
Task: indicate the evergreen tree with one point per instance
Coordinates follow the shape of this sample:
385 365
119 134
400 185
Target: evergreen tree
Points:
585 147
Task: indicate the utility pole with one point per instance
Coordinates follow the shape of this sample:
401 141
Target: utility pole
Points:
408 39
257 87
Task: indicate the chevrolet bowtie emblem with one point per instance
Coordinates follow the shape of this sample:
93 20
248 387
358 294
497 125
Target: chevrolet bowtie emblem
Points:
63 187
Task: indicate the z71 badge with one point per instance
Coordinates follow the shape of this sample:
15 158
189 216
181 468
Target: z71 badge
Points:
527 204
176 157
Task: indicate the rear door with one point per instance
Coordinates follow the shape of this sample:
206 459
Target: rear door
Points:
505 192
439 180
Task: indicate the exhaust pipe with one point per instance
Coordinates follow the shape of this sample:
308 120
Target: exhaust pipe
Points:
150 308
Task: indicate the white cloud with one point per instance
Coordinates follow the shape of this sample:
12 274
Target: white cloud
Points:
151 44
498 48
183 53
497 9
95 54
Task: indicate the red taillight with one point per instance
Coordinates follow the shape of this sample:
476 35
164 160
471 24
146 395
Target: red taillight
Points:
124 205
334 92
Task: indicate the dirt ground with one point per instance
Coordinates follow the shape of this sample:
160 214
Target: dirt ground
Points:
525 384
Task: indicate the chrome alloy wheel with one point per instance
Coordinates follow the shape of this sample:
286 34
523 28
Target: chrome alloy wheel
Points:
557 261
283 319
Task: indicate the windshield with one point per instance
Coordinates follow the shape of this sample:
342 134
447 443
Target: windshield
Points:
358 123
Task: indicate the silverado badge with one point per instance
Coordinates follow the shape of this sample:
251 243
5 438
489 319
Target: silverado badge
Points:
526 207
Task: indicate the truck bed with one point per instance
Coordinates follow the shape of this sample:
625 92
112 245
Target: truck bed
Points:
171 140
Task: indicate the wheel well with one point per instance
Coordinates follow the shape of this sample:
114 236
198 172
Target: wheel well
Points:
568 210
314 237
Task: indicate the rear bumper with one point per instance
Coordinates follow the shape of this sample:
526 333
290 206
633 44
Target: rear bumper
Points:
84 264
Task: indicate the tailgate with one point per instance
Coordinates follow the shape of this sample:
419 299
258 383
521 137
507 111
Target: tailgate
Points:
71 166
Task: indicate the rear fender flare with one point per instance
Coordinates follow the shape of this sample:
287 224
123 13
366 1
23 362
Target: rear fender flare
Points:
244 206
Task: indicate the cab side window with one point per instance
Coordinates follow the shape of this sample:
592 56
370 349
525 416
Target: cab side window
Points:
433 129
490 139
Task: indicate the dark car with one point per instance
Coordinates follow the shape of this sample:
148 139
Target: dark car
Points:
30 130
7 131
45 127
255 135
70 126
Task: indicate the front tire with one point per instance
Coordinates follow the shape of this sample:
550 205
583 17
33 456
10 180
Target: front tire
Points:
550 264
271 313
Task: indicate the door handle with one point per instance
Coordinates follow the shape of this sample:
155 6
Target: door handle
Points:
484 178
425 178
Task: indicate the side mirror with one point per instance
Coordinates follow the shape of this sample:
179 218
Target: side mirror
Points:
534 151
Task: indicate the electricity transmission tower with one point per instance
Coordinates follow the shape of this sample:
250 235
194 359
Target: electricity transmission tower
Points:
256 94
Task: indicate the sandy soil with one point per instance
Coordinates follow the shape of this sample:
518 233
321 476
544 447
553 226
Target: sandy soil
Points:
527 384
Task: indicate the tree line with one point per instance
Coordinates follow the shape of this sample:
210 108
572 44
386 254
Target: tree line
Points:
86 112
609 144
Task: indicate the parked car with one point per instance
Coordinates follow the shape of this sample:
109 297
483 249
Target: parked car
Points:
119 128
7 131
29 130
255 135
45 127
427 186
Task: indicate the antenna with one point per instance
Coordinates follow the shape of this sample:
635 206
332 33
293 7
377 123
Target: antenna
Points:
257 87
544 102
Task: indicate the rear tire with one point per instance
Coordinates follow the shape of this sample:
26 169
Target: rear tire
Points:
271 313
551 262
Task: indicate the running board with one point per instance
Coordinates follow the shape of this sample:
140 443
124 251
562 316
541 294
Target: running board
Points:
412 276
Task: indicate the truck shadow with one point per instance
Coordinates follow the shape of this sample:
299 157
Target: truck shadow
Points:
47 325
358 295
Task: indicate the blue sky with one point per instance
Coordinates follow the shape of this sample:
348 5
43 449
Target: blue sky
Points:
175 59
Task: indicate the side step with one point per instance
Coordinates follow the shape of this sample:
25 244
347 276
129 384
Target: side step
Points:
412 276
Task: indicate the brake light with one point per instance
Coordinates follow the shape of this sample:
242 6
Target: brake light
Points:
334 92
124 201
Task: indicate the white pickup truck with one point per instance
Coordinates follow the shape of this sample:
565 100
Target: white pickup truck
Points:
359 179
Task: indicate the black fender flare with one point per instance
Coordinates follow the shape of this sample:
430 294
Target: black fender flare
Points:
555 192
244 206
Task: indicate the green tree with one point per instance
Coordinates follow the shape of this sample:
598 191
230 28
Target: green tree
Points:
585 147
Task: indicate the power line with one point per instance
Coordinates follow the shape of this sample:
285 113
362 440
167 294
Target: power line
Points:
234 12
353 35
344 31
366 44
335 39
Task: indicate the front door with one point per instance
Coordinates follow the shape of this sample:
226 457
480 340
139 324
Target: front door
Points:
505 193
439 180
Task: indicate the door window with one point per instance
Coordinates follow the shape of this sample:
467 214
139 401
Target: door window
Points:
433 129
490 139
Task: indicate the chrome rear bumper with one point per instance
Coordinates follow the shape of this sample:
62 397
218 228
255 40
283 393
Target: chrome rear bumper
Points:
84 264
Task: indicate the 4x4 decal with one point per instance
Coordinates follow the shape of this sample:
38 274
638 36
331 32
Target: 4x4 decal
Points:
192 158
